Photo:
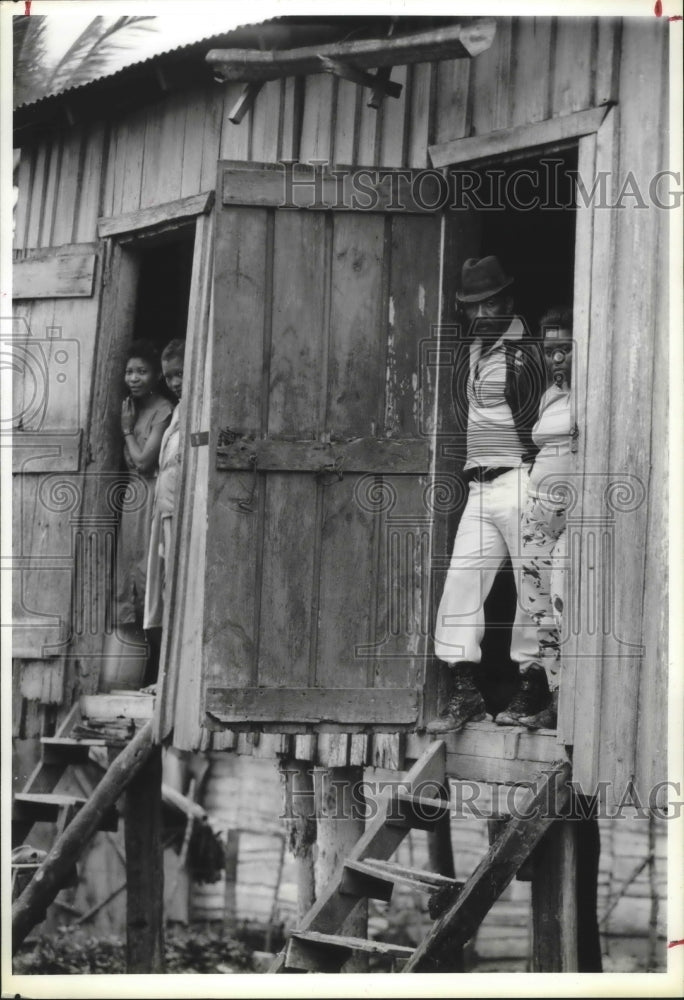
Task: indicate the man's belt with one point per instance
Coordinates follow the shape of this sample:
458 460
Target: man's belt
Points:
486 475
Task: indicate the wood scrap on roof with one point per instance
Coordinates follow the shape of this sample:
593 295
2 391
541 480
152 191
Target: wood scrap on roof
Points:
459 41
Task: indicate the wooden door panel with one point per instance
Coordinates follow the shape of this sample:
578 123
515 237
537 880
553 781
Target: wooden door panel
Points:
298 352
313 583
287 579
231 583
356 357
401 573
346 593
242 292
413 309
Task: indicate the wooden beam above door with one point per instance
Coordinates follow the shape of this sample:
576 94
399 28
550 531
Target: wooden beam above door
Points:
460 41
520 137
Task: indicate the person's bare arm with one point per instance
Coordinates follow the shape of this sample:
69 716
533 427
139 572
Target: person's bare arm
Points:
144 459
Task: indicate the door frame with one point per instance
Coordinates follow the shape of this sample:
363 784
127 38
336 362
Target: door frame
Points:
594 132
119 237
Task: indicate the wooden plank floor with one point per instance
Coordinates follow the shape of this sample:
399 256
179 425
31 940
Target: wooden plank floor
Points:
483 751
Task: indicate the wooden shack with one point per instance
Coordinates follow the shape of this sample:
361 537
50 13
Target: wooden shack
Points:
305 230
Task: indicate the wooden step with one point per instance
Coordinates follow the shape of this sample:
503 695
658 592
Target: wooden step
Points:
131 705
416 811
314 952
379 839
68 750
43 806
376 879
46 807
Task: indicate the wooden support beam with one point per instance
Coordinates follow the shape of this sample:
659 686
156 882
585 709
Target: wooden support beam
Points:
379 87
565 864
456 41
588 858
554 900
246 706
231 852
347 71
300 823
244 102
170 212
517 137
497 869
30 908
145 869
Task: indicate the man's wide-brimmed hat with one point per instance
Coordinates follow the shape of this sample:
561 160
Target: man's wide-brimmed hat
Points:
481 279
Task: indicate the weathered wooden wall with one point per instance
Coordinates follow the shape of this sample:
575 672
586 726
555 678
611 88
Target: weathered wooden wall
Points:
536 69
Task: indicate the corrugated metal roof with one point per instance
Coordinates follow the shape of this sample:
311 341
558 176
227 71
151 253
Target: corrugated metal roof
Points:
239 37
206 41
184 65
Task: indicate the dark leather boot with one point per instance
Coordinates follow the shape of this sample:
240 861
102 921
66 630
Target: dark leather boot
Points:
465 703
532 697
546 719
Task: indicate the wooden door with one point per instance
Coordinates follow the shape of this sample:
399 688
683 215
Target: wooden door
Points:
318 535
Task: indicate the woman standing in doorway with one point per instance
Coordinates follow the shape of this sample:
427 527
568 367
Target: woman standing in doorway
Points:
544 517
165 490
145 415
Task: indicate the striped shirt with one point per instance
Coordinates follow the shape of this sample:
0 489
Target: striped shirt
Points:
492 436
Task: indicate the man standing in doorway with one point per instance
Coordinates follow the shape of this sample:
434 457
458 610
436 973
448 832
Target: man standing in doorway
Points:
501 382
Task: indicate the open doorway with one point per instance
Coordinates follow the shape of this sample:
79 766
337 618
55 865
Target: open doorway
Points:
523 212
161 269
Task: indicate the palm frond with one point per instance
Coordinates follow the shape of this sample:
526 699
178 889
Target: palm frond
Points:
91 53
29 53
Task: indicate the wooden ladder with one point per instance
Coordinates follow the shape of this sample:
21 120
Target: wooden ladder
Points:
317 946
40 876
38 801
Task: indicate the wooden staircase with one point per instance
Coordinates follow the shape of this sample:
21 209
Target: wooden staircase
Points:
116 717
317 946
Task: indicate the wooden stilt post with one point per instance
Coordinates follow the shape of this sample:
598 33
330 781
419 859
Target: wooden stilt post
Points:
231 851
565 935
145 869
300 813
588 857
340 825
554 901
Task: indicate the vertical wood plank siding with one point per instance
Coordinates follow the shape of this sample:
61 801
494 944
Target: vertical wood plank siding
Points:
637 387
537 68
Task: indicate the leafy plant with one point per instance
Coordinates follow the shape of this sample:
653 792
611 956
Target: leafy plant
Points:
69 953
203 949
194 949
87 58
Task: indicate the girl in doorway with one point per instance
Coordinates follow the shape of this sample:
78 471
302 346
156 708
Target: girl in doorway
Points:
145 415
543 519
165 490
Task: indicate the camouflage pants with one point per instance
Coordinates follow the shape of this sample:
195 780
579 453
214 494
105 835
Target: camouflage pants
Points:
541 592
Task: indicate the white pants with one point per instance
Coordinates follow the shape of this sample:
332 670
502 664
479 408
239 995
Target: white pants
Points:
489 531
